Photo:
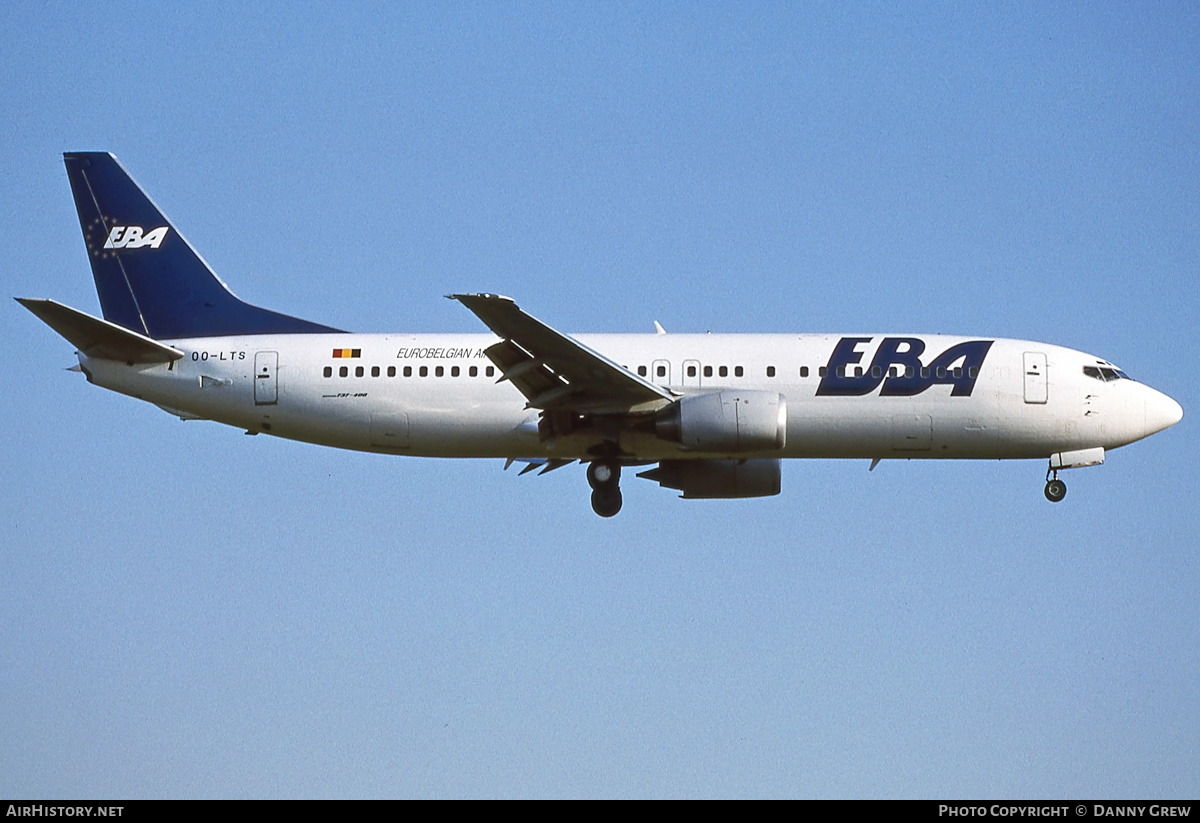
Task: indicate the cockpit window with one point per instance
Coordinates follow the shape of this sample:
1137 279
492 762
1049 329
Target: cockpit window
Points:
1105 374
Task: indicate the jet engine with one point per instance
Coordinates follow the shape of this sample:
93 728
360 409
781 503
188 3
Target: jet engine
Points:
709 479
726 421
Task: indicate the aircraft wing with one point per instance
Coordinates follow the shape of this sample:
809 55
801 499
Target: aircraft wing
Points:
554 370
99 338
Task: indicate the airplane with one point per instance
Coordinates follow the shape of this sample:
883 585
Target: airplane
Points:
710 415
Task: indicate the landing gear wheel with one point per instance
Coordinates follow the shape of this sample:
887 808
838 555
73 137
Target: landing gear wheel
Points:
601 475
604 476
1056 490
606 502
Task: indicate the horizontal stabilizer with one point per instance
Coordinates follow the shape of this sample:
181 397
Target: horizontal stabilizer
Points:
99 338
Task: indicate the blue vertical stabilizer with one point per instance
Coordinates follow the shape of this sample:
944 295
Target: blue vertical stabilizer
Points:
149 278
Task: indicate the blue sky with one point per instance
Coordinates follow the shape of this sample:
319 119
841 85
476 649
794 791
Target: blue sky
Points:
191 612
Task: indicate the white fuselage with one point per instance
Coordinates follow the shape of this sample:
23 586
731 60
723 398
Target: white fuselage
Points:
439 395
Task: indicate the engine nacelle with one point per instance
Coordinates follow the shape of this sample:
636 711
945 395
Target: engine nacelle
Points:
727 421
709 479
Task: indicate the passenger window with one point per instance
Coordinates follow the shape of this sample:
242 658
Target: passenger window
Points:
822 371
941 372
876 372
858 371
439 371
958 372
329 371
424 372
909 371
737 371
661 371
641 371
343 372
474 371
973 372
691 371
391 371
770 371
924 371
454 371
723 371
804 371
708 371
374 371
358 371
491 371
408 371
893 371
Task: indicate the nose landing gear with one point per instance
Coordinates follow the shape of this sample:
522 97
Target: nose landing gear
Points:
604 477
1056 490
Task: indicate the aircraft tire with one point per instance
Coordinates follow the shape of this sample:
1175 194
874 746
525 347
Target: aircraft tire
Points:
601 474
606 502
1056 490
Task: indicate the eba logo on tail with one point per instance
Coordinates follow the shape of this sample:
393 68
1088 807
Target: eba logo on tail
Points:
134 237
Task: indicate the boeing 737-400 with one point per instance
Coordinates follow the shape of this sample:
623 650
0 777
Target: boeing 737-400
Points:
715 412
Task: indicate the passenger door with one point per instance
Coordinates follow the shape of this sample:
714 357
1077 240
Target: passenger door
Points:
266 387
1036 390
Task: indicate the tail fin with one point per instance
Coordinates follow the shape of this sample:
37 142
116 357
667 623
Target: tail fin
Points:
149 278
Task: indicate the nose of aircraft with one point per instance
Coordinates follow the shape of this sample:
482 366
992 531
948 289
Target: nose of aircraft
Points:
1161 411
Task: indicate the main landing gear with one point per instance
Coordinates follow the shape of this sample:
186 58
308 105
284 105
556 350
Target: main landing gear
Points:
604 477
1056 490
